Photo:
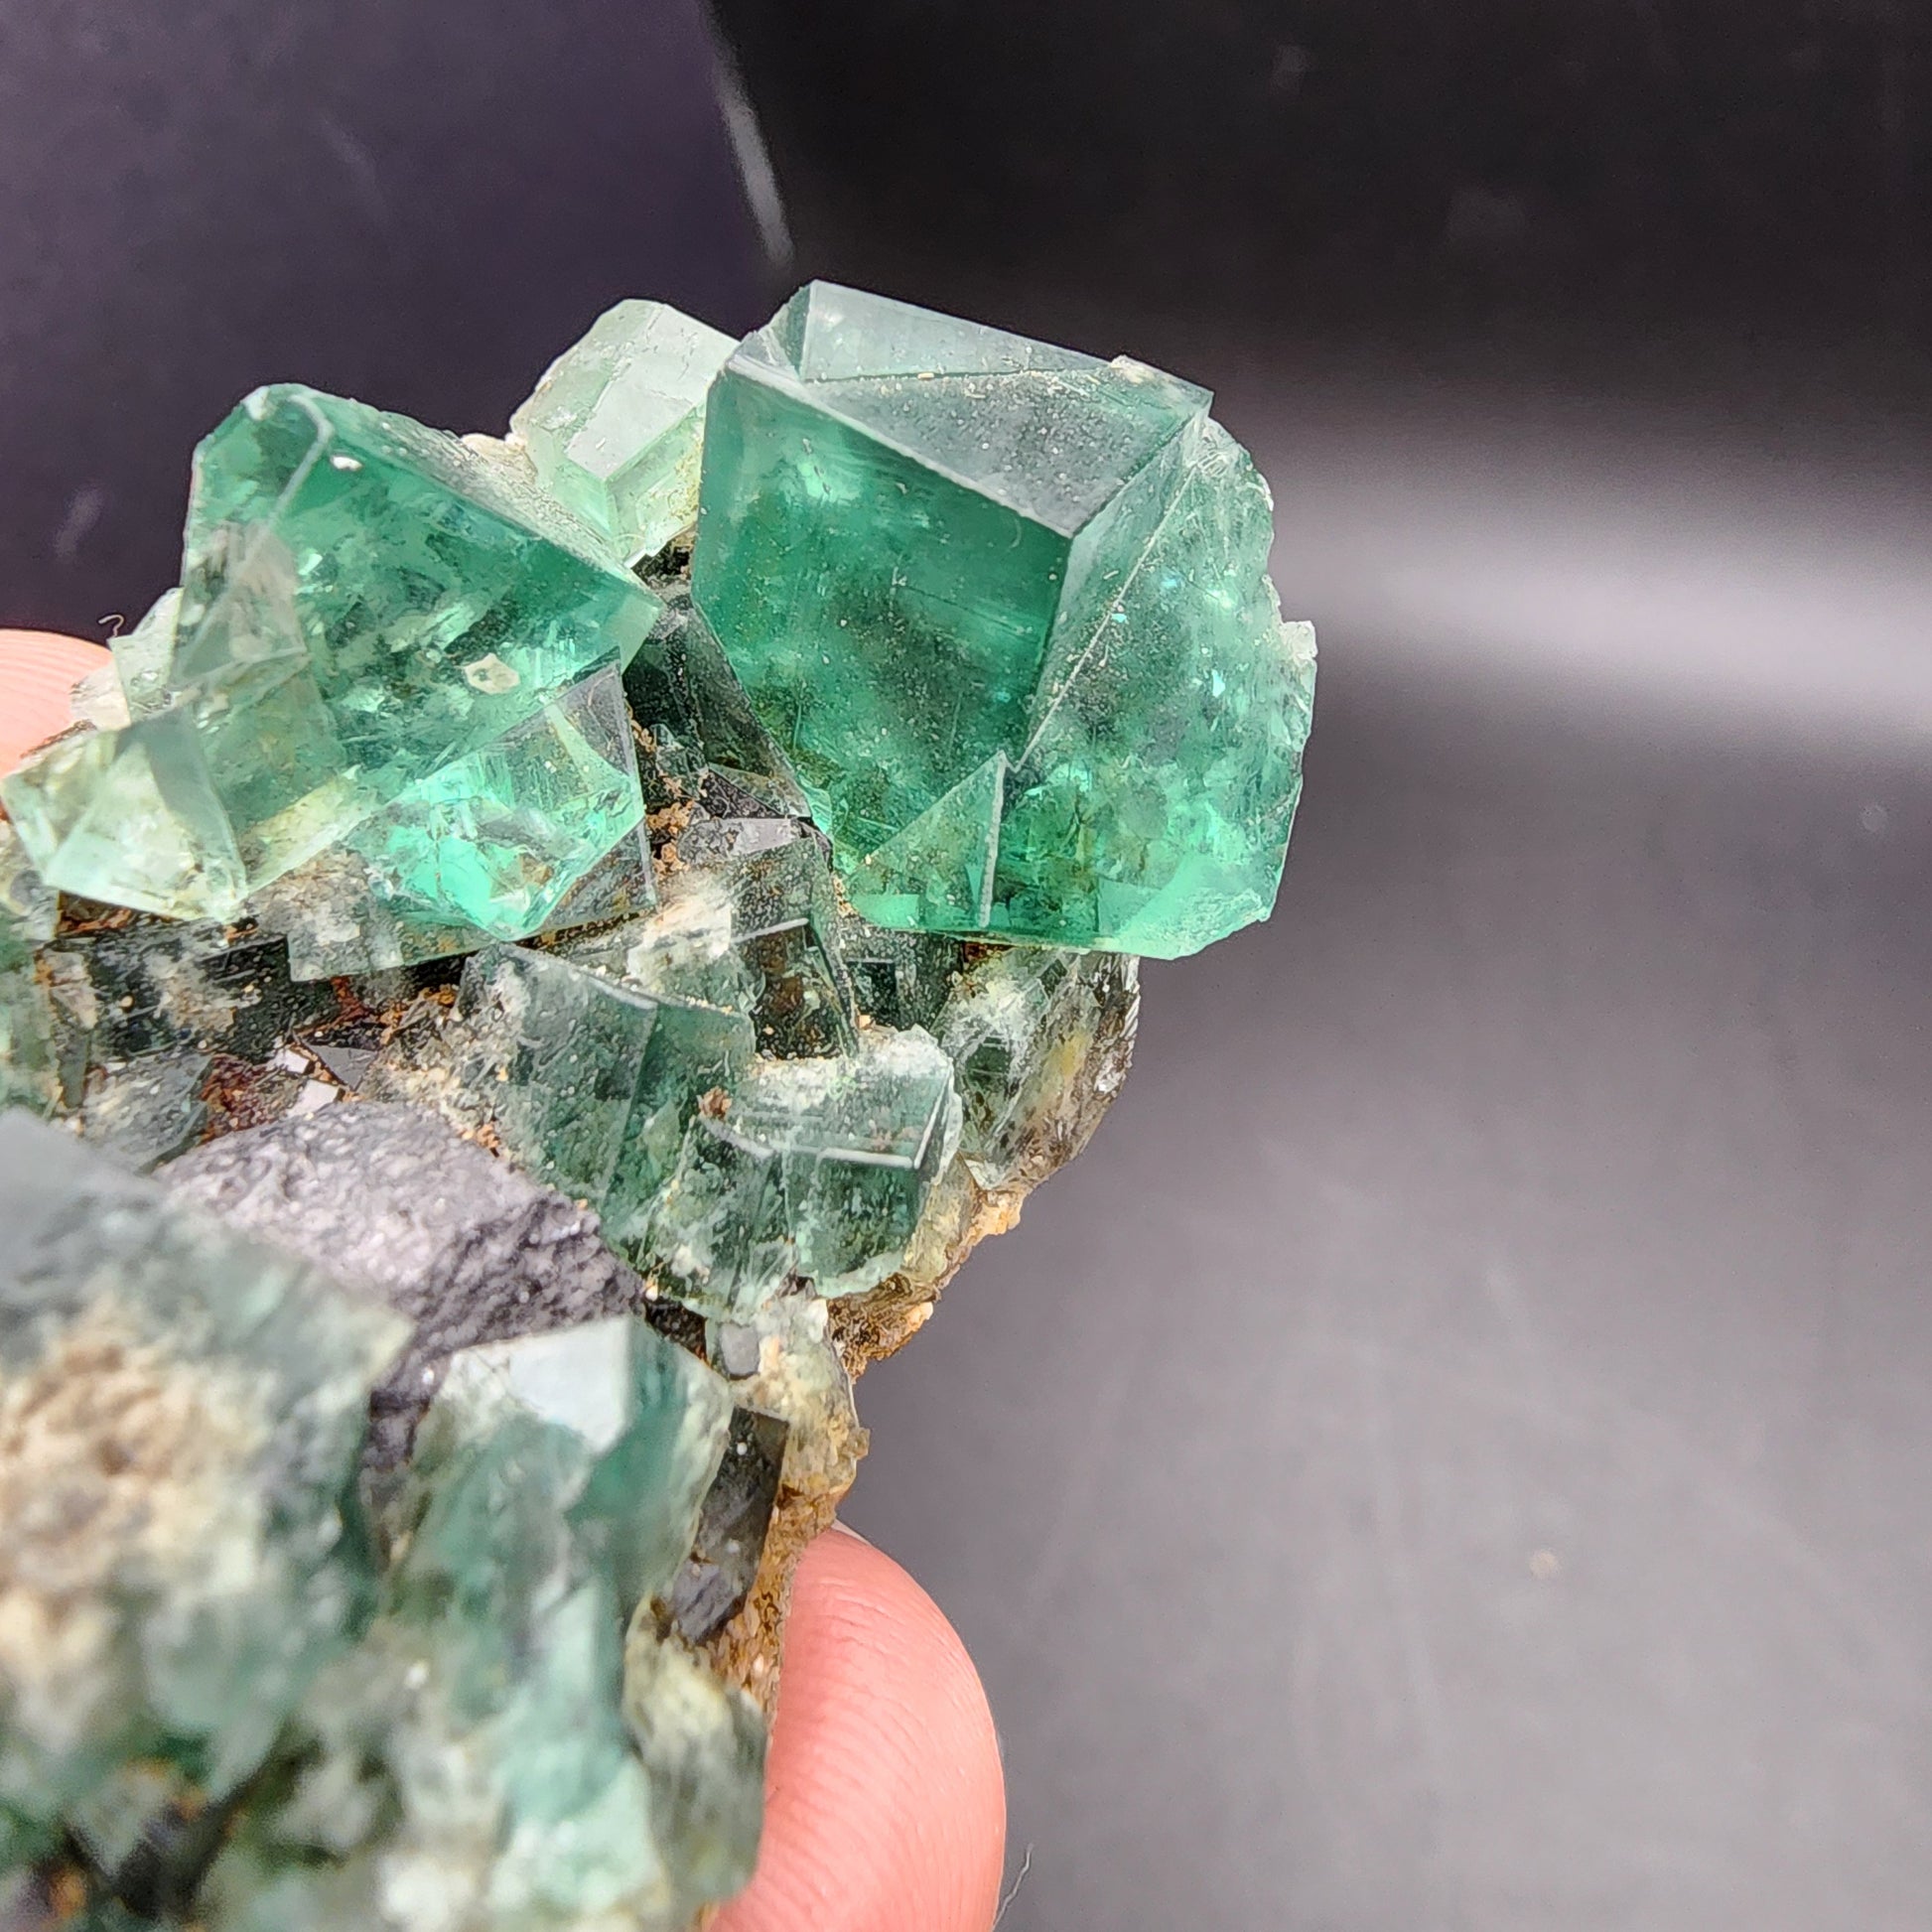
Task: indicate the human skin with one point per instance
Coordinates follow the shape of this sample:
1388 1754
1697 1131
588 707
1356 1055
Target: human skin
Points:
884 1802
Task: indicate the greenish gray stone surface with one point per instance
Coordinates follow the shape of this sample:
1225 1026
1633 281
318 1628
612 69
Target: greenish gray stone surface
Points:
197 1400
475 1763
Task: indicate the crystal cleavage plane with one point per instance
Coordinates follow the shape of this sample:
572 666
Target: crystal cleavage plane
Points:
535 968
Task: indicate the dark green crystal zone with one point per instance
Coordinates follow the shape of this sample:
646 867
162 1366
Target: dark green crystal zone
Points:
760 1090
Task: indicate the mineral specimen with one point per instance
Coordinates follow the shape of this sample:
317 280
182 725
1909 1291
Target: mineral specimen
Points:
1005 608
567 1066
473 1763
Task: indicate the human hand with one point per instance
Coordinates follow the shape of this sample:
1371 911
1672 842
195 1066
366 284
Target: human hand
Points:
885 1806
884 1803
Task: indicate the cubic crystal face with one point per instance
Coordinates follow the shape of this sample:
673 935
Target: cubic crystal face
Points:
1014 1026
364 603
28 912
198 1401
816 1168
497 840
1005 607
754 929
615 427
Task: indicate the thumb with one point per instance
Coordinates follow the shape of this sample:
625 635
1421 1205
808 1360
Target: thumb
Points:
37 671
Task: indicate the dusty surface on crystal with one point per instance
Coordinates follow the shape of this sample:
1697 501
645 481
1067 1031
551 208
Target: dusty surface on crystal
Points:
552 1119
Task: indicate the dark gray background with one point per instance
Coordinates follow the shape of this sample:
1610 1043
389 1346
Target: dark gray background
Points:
1457 1451
1454 1451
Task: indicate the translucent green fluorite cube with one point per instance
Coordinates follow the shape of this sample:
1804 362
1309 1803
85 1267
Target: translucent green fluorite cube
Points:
494 840
131 817
1020 1027
363 603
613 427
818 1167
1005 607
752 929
621 1432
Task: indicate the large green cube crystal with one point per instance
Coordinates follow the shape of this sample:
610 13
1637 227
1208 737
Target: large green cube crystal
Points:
470 1764
435 603
1005 607
615 427
593 1082
817 1168
182 1411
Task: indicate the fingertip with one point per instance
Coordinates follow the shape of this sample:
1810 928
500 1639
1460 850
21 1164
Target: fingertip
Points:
38 672
886 1803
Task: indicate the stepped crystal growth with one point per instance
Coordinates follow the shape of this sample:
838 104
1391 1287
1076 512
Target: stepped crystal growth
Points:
579 988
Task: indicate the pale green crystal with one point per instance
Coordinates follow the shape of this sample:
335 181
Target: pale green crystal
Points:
614 429
27 916
144 654
341 917
1005 607
130 817
497 839
1018 1024
756 931
198 1401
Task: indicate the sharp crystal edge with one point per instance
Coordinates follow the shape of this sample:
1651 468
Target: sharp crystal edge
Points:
542 960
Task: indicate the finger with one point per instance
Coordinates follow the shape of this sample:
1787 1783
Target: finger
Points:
885 1807
38 672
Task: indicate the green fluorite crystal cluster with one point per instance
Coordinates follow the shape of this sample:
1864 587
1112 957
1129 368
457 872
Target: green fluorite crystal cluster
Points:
542 960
